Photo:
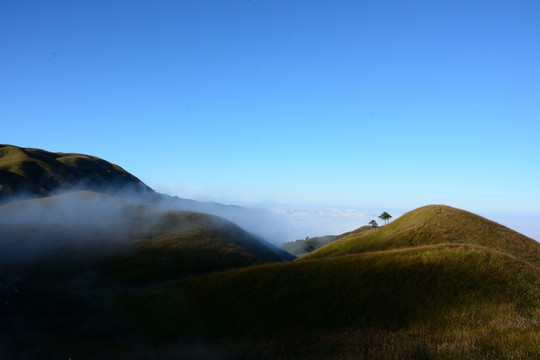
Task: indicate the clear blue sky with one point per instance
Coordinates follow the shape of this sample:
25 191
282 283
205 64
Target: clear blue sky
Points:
334 103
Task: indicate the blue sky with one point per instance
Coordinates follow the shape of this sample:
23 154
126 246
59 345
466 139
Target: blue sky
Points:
387 104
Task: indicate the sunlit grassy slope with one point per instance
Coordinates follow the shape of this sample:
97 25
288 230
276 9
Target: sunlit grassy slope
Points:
435 224
34 172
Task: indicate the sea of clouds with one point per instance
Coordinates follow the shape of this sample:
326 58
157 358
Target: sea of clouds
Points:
301 222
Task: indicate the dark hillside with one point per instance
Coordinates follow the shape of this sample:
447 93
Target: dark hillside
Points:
456 301
33 173
84 224
37 173
64 260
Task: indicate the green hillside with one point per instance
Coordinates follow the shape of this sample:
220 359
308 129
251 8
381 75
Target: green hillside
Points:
437 283
34 172
443 301
436 224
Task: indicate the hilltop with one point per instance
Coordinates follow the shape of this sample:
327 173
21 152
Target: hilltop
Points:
435 225
27 172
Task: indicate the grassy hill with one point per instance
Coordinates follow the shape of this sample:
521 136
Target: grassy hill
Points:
138 236
436 224
64 260
441 301
33 172
437 283
435 302
305 246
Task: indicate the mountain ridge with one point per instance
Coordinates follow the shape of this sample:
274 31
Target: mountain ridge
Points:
30 172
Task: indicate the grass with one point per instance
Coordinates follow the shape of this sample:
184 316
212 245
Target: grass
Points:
435 224
441 301
68 266
34 172
437 283
446 291
435 302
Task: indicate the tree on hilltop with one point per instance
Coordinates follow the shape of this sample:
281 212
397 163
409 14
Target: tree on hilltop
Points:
373 223
385 216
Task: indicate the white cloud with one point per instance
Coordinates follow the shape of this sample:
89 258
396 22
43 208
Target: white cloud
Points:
309 221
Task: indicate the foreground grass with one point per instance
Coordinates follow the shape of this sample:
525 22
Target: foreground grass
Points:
431 302
437 302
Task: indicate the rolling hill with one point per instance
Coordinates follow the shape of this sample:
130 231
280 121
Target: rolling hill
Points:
437 283
439 301
26 172
33 173
435 225
64 259
85 224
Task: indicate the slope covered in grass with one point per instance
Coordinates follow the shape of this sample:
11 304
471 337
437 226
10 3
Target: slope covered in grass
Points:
153 299
467 301
140 237
34 172
436 224
64 260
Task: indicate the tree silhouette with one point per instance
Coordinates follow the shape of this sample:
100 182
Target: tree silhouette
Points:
385 216
373 223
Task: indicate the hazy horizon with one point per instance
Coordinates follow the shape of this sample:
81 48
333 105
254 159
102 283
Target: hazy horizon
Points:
301 220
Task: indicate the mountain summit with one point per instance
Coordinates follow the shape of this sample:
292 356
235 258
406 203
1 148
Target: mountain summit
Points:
435 225
27 172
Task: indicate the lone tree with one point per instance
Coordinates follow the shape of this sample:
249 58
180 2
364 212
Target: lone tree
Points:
385 216
373 223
